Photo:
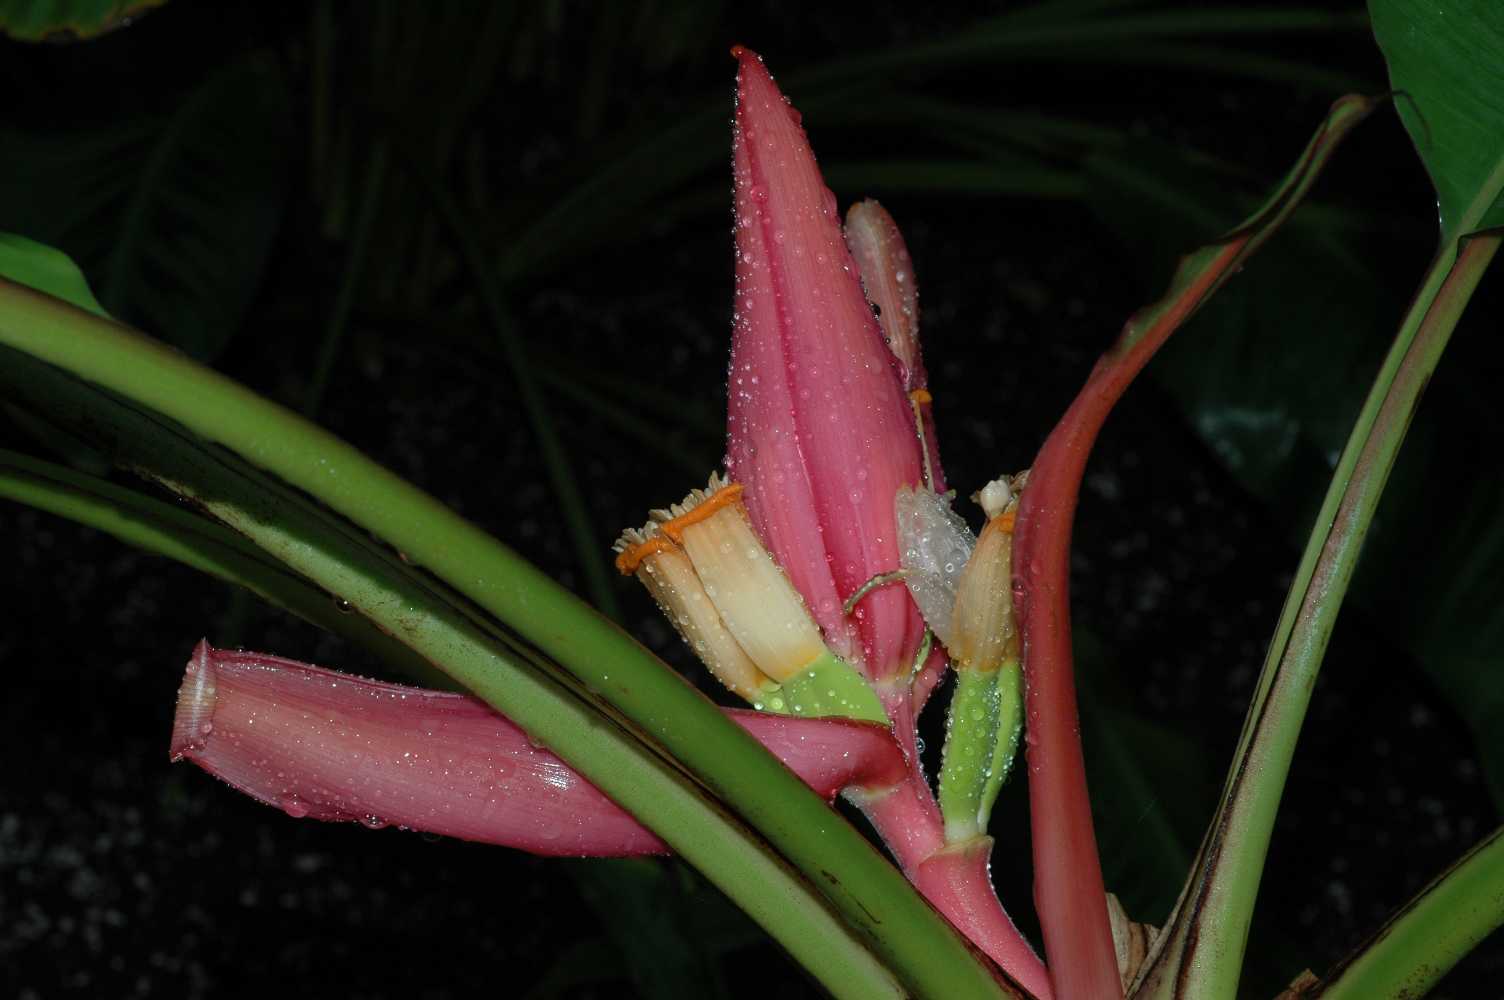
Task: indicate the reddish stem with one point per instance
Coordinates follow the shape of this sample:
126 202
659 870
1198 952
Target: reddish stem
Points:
1068 888
955 879
958 880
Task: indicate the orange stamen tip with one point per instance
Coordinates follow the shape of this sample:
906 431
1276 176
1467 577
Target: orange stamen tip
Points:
1005 521
729 494
630 559
921 396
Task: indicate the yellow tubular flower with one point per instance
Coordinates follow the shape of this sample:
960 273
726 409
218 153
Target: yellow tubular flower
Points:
670 577
704 564
755 600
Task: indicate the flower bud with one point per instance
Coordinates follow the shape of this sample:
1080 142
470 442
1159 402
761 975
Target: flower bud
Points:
820 431
716 580
670 577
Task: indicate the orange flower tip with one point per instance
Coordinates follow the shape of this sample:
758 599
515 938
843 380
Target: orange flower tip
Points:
636 544
742 52
921 396
194 719
697 506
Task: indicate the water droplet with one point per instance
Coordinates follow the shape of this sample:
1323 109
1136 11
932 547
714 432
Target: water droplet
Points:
294 806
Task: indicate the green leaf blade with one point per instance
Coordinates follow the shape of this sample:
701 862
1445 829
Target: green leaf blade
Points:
1448 73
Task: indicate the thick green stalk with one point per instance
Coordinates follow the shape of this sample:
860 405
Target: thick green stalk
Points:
206 546
373 583
1445 921
926 955
1200 952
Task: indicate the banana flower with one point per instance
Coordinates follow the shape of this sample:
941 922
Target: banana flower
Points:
786 576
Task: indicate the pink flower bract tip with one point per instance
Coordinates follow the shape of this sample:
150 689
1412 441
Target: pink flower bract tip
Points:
325 745
820 430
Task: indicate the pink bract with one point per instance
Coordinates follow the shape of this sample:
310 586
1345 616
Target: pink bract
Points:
821 434
330 746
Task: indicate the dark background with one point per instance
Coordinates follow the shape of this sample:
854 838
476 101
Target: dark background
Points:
206 165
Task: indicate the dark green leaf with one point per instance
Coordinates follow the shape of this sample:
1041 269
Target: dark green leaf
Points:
172 220
1446 62
67 20
46 270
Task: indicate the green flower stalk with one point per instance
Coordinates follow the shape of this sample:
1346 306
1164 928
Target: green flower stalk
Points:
986 712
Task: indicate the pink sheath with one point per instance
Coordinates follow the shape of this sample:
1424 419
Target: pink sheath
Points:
326 745
821 434
887 273
952 879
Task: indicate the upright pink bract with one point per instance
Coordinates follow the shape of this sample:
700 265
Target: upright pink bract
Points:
820 431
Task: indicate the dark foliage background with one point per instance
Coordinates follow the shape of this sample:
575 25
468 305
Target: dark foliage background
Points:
256 183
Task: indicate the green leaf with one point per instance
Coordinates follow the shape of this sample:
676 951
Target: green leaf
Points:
1245 387
1448 74
67 20
172 219
1200 951
48 270
1430 934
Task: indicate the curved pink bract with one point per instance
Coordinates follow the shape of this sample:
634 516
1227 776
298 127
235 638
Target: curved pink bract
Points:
325 745
821 434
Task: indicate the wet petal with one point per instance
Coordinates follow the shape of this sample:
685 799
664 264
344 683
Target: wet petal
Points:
821 433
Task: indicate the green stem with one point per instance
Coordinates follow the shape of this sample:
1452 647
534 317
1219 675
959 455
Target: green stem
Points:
160 528
1445 921
374 584
927 956
1200 952
971 730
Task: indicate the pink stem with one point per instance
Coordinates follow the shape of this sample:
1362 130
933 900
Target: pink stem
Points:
958 881
330 746
1068 888
955 879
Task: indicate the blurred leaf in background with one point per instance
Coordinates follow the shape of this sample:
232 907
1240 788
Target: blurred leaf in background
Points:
172 216
68 20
